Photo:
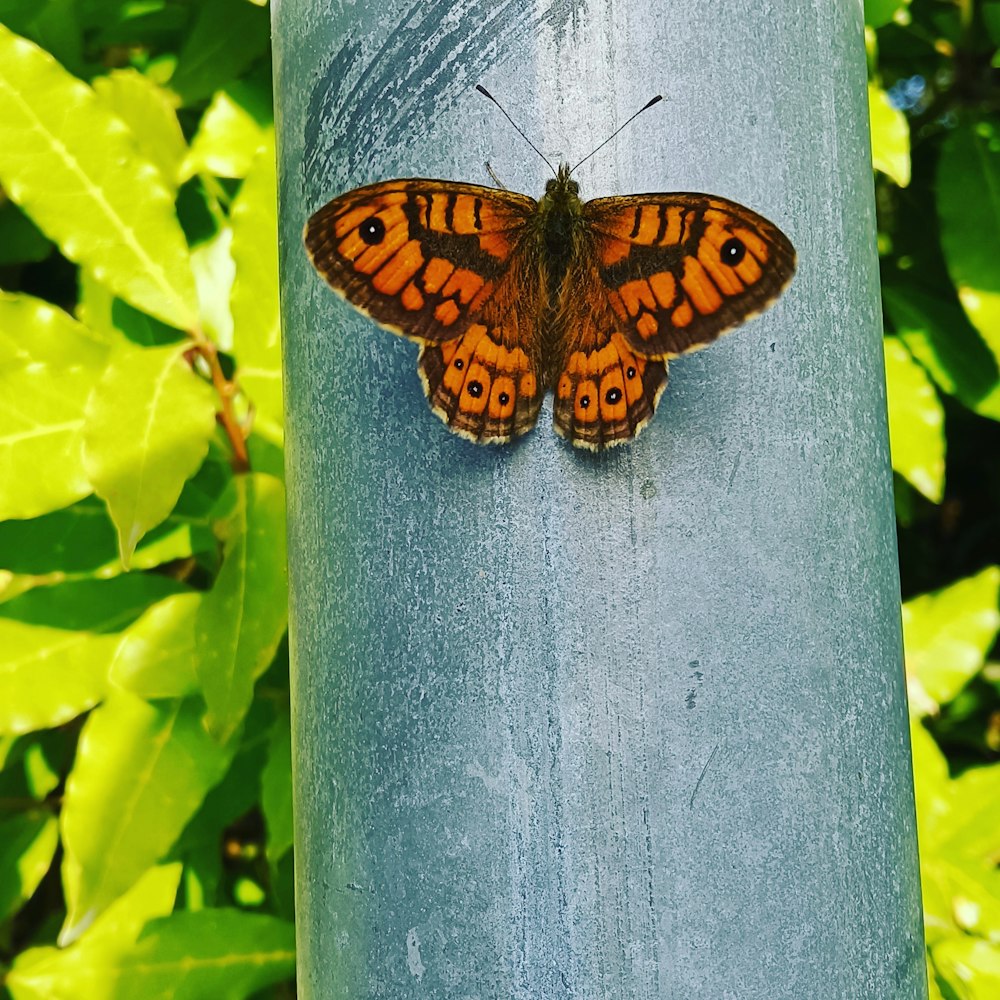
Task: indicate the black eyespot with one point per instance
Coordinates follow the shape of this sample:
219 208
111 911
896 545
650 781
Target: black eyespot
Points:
631 372
613 395
459 363
584 402
475 389
733 251
372 231
504 399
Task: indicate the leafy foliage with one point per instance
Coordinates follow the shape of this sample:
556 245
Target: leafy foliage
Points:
933 69
145 799
145 814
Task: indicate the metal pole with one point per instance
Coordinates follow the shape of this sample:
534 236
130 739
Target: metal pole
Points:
626 726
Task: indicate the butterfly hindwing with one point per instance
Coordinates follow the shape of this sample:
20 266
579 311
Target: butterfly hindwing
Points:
421 257
482 390
681 269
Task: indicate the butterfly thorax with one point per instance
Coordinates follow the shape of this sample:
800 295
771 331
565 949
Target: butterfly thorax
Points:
560 215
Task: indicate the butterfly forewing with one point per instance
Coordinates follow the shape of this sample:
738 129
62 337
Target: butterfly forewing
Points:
419 256
681 269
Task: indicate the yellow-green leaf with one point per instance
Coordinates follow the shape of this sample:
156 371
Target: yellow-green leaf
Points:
75 169
256 321
49 675
968 203
118 820
147 110
946 634
916 422
149 422
228 139
890 136
242 618
41 436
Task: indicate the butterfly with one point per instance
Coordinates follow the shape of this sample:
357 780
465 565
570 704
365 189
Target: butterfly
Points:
510 297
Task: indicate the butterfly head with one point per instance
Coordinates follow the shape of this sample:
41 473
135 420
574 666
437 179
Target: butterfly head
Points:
562 192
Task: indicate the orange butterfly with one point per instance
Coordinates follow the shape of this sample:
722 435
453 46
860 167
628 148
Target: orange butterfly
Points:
509 297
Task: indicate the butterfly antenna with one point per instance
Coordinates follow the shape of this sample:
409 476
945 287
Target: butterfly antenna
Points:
482 90
645 107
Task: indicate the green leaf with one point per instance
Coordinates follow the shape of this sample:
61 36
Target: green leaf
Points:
52 973
48 675
100 606
938 334
168 414
27 846
916 422
214 272
48 365
227 37
890 136
970 966
880 12
256 320
32 330
229 137
141 772
276 790
147 110
968 202
946 634
74 168
156 656
243 617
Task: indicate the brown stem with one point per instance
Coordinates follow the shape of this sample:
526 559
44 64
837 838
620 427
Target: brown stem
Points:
227 390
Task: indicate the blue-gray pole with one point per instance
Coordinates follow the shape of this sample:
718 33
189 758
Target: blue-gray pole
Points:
626 726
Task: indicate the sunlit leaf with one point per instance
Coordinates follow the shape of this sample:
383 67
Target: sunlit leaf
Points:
229 137
117 821
156 656
28 843
890 136
242 619
56 973
48 366
32 330
970 966
147 110
214 272
75 169
148 426
968 202
49 675
938 334
880 12
916 422
276 790
947 634
256 322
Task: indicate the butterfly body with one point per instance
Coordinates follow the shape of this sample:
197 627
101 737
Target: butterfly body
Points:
510 297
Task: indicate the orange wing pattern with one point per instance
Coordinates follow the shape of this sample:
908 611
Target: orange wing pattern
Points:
681 269
482 390
421 257
509 297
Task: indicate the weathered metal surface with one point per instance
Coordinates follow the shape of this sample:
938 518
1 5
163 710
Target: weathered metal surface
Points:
598 727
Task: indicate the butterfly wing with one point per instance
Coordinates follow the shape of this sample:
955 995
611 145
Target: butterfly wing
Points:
444 264
681 269
606 393
421 257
